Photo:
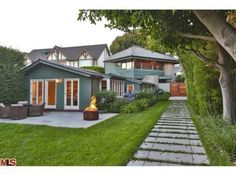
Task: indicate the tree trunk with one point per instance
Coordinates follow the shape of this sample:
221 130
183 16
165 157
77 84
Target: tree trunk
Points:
226 84
222 31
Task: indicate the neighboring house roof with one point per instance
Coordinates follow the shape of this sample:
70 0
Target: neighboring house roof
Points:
83 72
139 52
71 53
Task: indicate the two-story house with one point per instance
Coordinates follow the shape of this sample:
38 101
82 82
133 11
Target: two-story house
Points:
78 56
144 65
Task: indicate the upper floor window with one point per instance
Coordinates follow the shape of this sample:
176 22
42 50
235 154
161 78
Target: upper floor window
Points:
72 63
138 64
146 64
157 65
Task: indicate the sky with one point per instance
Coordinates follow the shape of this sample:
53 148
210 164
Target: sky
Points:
27 25
34 24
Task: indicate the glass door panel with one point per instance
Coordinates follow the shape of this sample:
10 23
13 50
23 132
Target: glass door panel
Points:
36 96
51 92
68 93
71 94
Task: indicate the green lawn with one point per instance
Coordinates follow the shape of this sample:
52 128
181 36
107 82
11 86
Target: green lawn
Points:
112 142
218 139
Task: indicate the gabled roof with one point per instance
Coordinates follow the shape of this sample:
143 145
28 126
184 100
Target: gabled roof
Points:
83 72
71 53
139 52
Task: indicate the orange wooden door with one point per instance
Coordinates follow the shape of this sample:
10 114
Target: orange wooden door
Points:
178 89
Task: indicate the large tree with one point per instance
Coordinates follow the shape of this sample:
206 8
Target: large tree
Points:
182 30
11 76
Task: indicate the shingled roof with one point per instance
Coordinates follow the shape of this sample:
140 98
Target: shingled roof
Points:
83 72
139 52
71 53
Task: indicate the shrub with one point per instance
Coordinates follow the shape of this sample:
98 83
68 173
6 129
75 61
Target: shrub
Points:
105 99
144 94
12 86
163 97
94 68
136 106
117 105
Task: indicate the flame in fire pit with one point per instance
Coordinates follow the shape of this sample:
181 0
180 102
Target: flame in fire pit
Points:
92 106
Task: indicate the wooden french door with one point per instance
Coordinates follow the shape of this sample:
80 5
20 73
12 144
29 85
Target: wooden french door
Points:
71 94
36 92
50 94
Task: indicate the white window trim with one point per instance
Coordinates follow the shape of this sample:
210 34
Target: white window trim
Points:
37 80
46 94
71 107
118 87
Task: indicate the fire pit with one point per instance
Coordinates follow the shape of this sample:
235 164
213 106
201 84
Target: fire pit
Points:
91 112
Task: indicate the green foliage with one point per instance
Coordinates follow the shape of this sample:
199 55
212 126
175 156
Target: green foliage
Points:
117 105
180 78
11 76
105 99
136 106
163 97
144 94
203 89
94 68
218 138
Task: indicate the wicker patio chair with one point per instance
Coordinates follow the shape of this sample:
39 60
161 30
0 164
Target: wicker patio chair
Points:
36 110
18 112
5 112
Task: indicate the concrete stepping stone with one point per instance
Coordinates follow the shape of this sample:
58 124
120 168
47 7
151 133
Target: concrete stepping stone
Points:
175 127
198 150
171 157
146 145
172 147
175 135
150 139
136 163
174 131
175 124
148 163
200 159
141 154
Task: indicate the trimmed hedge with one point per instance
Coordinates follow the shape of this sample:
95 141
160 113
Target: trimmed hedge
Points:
11 76
203 90
94 68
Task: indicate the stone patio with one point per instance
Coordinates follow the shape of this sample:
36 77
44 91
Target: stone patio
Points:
173 141
61 119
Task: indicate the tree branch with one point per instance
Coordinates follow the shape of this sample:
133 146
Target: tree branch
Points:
202 37
204 59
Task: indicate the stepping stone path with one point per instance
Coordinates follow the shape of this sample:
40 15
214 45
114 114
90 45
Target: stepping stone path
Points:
173 141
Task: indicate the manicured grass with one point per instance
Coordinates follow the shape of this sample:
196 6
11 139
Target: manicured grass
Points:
218 138
112 142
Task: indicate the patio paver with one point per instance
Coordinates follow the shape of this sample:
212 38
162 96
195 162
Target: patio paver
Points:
173 141
61 119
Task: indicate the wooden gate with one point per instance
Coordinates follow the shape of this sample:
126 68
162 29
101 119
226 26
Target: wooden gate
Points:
178 89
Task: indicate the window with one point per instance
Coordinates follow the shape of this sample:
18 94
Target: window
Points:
130 88
118 64
157 65
129 65
123 65
146 64
104 85
138 64
117 86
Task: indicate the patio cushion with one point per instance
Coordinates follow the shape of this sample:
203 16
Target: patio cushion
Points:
2 105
